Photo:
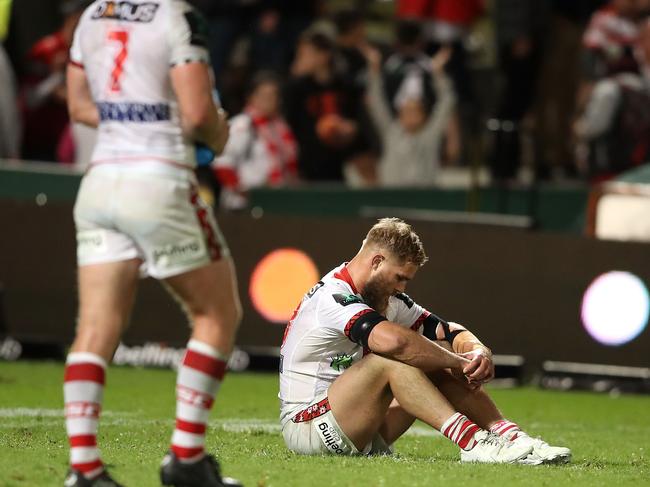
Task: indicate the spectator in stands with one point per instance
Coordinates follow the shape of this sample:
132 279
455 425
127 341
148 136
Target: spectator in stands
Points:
351 65
558 82
520 27
607 45
252 35
412 142
321 109
9 121
609 39
615 127
408 65
43 96
448 23
261 149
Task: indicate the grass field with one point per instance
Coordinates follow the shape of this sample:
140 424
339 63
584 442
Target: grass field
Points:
610 437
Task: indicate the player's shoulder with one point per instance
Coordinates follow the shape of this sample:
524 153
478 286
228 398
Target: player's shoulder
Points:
403 299
336 290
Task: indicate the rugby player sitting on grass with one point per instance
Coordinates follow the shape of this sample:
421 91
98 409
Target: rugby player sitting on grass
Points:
361 361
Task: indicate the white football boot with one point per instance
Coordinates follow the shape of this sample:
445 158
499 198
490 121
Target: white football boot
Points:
491 448
542 453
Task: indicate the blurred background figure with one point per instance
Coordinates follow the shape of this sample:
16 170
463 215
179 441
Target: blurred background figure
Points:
412 141
9 121
351 40
408 65
450 23
321 109
520 27
609 39
43 90
261 150
614 129
246 36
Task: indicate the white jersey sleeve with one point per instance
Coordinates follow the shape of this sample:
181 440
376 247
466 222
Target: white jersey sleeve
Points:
76 56
341 311
187 35
406 312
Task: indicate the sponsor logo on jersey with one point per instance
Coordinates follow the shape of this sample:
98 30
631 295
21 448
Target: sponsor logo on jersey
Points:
346 299
341 362
330 437
179 252
313 290
133 112
126 11
91 241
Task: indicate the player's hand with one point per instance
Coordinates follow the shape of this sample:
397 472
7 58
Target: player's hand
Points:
373 57
440 59
481 367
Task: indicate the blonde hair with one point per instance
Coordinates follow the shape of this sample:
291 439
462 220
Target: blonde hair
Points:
397 237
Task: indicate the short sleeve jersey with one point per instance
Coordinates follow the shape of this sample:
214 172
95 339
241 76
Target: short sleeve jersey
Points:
127 49
317 346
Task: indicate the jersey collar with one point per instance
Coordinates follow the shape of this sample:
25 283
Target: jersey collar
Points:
344 275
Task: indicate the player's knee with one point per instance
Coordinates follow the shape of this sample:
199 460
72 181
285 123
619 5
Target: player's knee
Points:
225 318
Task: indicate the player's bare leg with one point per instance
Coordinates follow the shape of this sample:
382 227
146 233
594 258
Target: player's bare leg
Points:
475 404
478 406
209 297
361 396
361 399
396 422
106 293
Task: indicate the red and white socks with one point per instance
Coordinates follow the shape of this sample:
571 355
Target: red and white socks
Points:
199 377
507 429
459 429
83 390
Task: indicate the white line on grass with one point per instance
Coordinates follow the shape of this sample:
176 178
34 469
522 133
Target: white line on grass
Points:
49 417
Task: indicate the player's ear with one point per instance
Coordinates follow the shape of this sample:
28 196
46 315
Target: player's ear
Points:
376 261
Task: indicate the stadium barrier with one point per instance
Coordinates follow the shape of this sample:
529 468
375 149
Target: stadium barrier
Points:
525 293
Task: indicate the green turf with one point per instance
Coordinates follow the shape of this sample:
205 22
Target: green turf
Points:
609 436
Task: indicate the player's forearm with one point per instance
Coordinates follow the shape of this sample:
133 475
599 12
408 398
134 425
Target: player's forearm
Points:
429 356
393 341
208 129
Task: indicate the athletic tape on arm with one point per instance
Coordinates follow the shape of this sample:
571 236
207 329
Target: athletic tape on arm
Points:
431 324
360 329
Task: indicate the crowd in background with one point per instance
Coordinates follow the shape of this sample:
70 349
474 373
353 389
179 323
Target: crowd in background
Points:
384 94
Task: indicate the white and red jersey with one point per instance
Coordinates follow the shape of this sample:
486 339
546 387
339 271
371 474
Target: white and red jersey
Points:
127 49
317 347
609 32
261 151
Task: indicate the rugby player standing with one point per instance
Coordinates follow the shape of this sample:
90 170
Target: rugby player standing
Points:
360 361
140 73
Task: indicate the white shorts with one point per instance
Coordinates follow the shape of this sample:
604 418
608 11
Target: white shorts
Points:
322 434
149 212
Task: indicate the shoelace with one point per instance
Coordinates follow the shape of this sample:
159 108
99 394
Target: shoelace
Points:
492 439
